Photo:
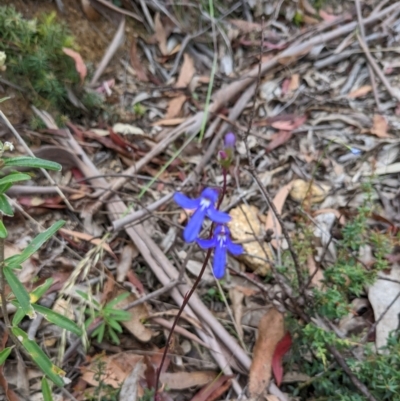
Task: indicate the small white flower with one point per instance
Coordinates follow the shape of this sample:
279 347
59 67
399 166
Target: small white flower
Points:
8 146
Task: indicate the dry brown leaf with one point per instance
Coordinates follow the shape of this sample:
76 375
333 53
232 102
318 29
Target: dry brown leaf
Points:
182 380
169 121
236 296
160 34
307 20
270 331
80 66
294 82
308 191
186 73
362 91
245 26
294 57
272 223
88 238
115 370
307 7
243 226
175 106
136 64
380 126
89 11
138 314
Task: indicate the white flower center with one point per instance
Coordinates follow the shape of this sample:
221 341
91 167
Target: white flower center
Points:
205 203
221 239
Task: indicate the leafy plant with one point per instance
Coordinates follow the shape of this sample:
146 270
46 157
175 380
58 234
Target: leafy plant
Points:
24 301
110 317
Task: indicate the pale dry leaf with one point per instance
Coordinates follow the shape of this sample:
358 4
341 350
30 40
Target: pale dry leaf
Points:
175 106
186 73
80 66
236 296
270 331
88 238
294 82
138 314
272 223
362 91
307 7
129 252
243 226
245 26
183 380
63 307
131 390
160 34
380 126
308 191
169 121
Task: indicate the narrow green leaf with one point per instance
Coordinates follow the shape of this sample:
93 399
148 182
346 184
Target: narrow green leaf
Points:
39 357
10 262
99 332
38 292
18 315
58 319
34 162
14 177
5 188
3 230
113 336
118 299
19 291
46 391
5 206
35 244
4 354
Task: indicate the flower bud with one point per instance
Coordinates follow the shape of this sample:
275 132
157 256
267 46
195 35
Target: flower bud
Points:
230 140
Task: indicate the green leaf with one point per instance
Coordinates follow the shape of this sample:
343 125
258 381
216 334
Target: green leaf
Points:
19 291
5 206
4 354
113 336
35 244
5 188
38 292
115 325
39 357
10 262
46 391
34 162
18 315
3 230
99 332
14 177
58 319
118 299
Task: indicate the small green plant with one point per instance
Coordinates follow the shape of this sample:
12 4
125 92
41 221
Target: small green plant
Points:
36 62
139 109
27 302
110 317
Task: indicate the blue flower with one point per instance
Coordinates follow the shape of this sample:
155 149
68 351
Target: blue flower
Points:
204 207
222 243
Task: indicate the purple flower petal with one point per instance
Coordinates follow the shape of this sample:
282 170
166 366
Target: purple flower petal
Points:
207 243
219 262
216 216
193 228
185 202
234 249
211 194
230 140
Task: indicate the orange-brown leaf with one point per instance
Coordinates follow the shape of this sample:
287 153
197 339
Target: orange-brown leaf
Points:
362 91
79 63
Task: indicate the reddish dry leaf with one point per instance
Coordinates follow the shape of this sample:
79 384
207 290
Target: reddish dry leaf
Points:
289 125
79 64
294 83
119 141
380 126
279 139
362 91
270 331
282 347
207 392
136 64
88 238
175 106
36 201
186 73
327 17
285 86
272 223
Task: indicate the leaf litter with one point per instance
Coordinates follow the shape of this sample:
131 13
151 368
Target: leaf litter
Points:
324 123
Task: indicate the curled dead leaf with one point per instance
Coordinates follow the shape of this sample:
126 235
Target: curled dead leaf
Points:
270 331
79 63
244 225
